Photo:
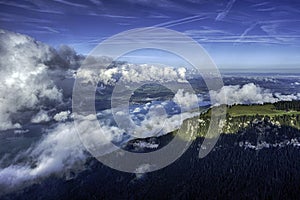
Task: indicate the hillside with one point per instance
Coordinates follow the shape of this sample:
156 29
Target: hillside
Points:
240 117
258 162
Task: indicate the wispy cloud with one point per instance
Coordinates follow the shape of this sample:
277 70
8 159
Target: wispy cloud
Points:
250 28
220 36
182 21
124 24
158 16
260 4
117 16
206 31
96 2
23 19
266 9
157 3
30 7
277 31
71 3
50 29
225 12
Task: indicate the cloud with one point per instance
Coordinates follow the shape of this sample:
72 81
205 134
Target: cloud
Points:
41 116
219 36
118 16
142 144
156 121
225 12
24 76
144 72
32 7
58 152
61 151
69 56
96 2
248 94
186 100
30 71
142 170
71 3
182 21
132 73
62 116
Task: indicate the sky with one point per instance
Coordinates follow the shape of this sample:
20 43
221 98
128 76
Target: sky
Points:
236 34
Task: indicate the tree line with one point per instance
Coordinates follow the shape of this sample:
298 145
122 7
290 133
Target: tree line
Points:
288 105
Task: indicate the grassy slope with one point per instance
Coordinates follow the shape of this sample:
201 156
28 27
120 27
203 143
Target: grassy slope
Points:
241 116
252 110
263 110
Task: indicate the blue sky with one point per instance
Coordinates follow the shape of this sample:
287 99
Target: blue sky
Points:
235 33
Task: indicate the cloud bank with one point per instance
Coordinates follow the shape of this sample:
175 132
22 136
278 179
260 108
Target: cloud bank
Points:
248 94
133 73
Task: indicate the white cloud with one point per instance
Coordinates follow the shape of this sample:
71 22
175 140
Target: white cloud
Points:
142 144
62 116
41 116
142 169
132 73
248 93
186 100
156 122
181 71
145 72
225 12
59 151
25 81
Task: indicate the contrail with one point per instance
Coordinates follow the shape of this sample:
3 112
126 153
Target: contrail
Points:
180 21
225 12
